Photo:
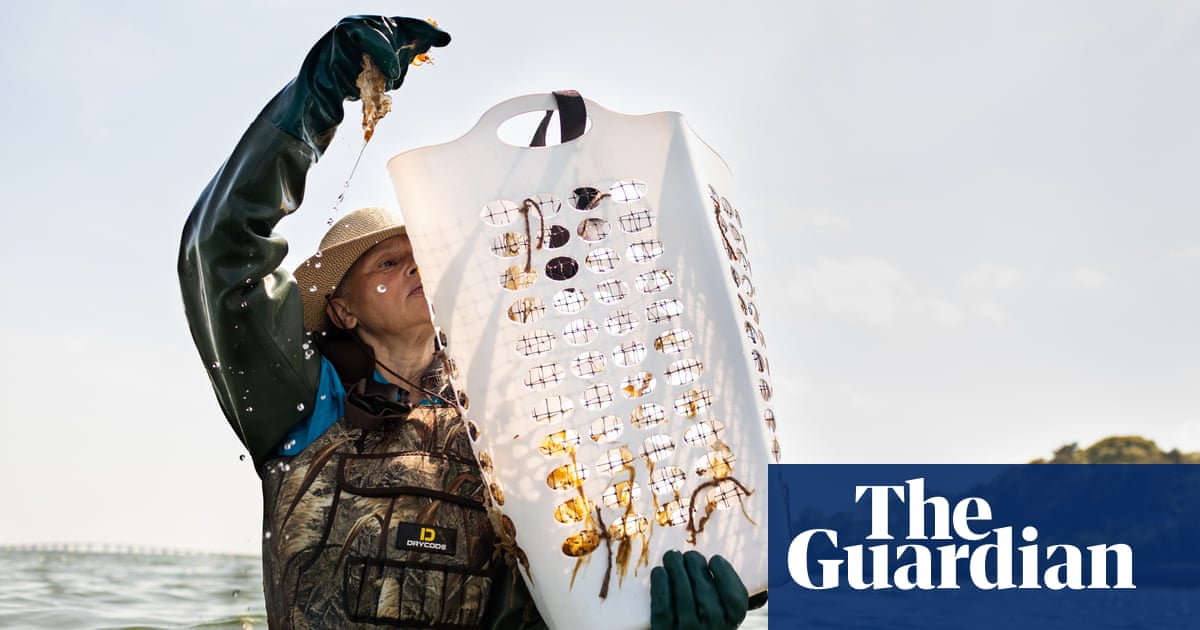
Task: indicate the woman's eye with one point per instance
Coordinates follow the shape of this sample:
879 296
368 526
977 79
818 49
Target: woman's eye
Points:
387 263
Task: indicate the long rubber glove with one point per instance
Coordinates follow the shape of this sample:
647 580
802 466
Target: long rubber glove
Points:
690 593
243 309
310 107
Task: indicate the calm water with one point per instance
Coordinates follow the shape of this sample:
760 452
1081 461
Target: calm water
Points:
89 591
93 591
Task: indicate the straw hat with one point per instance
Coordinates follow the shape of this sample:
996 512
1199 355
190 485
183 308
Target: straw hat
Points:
348 239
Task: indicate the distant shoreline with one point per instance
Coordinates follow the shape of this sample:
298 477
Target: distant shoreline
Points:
117 549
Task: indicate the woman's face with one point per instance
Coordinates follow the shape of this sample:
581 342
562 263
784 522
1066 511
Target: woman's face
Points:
382 292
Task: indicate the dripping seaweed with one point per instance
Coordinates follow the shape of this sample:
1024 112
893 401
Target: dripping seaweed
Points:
526 205
692 528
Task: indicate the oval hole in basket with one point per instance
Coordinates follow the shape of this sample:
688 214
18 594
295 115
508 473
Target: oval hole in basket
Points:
518 130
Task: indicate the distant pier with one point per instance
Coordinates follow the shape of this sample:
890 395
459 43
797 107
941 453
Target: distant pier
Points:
111 548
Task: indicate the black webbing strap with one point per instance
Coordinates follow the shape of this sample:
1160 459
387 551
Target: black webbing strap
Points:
572 118
370 403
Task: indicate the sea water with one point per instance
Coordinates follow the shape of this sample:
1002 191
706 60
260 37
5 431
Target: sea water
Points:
97 590
93 590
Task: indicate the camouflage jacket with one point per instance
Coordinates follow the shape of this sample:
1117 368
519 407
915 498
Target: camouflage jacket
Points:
339 516
384 526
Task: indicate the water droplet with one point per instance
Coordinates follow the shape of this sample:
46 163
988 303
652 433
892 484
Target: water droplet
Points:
216 365
287 467
308 354
318 254
243 305
381 288
329 221
305 345
249 409
267 535
242 457
323 396
318 265
300 407
236 593
312 289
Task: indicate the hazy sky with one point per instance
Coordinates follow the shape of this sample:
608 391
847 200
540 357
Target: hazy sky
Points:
974 225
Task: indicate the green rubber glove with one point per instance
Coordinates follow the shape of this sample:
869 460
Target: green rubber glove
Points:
310 107
687 592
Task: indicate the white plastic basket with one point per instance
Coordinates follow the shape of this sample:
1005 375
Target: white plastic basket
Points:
624 374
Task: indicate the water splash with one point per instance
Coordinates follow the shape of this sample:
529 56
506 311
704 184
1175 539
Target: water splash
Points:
381 288
346 186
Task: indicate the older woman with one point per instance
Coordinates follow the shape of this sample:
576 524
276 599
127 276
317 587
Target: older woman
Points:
374 509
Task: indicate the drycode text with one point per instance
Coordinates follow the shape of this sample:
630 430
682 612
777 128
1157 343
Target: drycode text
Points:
990 564
427 540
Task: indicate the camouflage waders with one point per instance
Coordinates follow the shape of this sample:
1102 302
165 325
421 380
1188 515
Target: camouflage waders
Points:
386 526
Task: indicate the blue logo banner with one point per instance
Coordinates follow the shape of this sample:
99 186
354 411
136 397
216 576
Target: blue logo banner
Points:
985 546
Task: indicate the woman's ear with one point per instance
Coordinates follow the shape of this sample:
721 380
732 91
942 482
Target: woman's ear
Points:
339 313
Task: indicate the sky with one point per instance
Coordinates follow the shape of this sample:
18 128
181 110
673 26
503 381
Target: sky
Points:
974 225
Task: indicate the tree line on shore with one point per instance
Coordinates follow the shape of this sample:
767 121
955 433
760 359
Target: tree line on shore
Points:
1119 449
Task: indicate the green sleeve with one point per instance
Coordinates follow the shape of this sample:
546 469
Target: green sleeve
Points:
244 310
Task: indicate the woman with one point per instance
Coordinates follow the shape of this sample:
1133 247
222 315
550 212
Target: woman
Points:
374 511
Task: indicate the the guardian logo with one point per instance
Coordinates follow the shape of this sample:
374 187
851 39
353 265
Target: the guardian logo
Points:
949 546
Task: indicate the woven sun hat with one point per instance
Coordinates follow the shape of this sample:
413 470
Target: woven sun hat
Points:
349 238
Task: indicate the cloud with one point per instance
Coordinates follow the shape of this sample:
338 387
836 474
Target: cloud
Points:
1087 277
866 289
939 310
830 220
870 290
990 311
993 276
853 396
1192 253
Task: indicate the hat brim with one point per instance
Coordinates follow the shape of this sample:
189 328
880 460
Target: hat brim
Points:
319 276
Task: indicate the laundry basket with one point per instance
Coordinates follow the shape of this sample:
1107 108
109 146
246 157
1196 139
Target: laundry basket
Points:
600 312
